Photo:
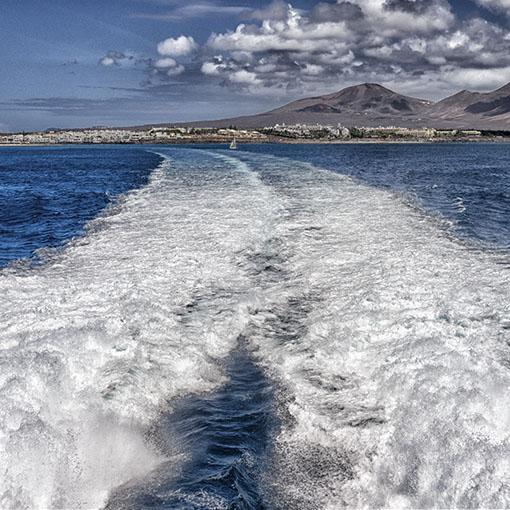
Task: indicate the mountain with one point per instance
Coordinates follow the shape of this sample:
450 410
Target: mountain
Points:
367 99
490 110
370 104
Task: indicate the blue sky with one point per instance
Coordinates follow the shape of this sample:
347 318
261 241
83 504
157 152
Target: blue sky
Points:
123 62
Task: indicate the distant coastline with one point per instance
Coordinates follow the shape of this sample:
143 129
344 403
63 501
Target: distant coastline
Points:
289 134
272 141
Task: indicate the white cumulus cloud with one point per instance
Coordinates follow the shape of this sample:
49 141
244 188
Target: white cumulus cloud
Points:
174 71
107 61
210 68
243 76
179 46
165 62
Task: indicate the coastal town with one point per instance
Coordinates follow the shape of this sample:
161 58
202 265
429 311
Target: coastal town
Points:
277 133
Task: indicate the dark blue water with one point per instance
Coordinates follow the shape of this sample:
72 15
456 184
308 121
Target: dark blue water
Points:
228 433
47 194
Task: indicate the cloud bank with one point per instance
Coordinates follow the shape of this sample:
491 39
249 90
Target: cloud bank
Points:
414 45
418 47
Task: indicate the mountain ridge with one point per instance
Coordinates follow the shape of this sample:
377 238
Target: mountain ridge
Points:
372 104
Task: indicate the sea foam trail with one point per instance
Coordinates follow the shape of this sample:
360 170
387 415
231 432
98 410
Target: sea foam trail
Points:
385 338
389 339
97 340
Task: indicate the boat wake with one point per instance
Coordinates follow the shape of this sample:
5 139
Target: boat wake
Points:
254 332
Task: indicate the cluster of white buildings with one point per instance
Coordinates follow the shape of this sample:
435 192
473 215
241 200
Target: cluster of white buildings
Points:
308 131
380 132
190 134
106 135
424 132
95 135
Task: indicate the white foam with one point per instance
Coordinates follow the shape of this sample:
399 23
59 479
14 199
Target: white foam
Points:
459 204
388 338
94 343
396 382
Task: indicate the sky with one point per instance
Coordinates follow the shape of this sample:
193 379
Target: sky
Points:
81 63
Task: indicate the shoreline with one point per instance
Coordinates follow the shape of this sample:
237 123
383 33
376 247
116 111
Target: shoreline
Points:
268 141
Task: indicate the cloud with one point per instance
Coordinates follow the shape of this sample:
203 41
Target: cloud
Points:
475 78
115 58
165 67
162 102
277 10
143 98
324 12
107 61
210 68
495 5
61 105
175 71
168 66
412 6
194 10
165 62
408 42
243 76
177 47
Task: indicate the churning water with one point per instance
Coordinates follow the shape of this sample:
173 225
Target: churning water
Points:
284 327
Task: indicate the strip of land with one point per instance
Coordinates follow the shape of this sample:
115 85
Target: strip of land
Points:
297 133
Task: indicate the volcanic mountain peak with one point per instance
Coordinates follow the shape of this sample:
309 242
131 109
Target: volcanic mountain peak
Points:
368 92
463 94
458 101
367 97
363 92
505 89
482 104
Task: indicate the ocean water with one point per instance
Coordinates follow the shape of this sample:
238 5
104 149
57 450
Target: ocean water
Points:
49 194
466 183
306 327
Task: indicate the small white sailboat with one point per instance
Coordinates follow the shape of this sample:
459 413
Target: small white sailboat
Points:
233 144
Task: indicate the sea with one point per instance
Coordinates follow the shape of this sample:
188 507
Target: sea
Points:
294 326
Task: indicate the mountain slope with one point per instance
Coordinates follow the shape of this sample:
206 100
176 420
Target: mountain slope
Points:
369 98
492 103
489 109
370 104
